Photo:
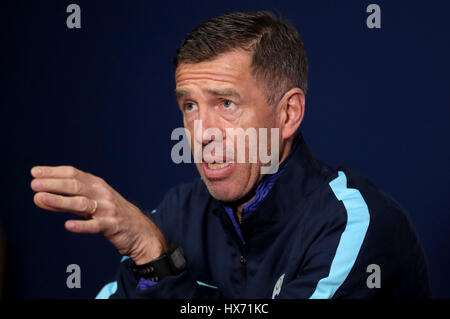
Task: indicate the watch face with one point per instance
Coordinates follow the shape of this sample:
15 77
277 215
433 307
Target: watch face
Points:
178 259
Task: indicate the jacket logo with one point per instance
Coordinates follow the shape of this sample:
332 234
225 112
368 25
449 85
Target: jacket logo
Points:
277 288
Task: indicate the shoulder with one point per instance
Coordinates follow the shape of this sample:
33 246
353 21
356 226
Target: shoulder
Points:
351 187
388 238
360 226
351 209
365 205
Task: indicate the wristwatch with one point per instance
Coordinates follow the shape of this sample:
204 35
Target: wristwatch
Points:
169 264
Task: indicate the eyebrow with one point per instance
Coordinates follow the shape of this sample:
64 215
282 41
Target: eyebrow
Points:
180 93
223 92
228 92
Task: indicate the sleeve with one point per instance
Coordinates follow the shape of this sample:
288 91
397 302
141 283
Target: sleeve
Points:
326 264
181 286
173 287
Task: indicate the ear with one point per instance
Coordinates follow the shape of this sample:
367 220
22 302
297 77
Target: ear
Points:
291 110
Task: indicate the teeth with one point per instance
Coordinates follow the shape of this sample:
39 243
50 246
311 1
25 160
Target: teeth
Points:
217 165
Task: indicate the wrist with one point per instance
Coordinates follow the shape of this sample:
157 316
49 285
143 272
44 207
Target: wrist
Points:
170 263
150 251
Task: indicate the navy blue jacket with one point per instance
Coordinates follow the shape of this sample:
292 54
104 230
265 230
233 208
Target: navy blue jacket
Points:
320 232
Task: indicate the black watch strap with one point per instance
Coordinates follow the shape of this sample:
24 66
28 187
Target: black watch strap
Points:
168 264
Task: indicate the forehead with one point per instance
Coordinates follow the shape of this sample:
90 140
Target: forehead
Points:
229 68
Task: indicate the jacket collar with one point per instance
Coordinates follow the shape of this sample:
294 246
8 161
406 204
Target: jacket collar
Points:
301 174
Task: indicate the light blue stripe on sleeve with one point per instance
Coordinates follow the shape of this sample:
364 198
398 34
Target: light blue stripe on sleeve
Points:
200 283
351 240
107 290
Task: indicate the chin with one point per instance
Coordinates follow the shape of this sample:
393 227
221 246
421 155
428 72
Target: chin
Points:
229 188
223 191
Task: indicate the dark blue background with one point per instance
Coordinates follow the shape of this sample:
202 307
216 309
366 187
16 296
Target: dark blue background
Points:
101 98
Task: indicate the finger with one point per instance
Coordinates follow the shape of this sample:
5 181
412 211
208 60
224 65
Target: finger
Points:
56 172
79 205
91 226
68 186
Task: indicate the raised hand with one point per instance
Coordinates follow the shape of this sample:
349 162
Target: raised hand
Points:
106 212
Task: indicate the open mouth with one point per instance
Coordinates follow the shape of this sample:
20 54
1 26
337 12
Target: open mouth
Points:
218 170
218 165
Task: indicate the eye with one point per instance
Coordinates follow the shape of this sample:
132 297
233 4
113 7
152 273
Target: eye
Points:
189 107
227 104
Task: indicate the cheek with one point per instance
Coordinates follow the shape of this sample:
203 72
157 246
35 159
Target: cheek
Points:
188 125
245 178
189 129
260 116
188 119
245 175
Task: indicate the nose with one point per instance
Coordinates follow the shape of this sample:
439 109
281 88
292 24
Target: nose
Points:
206 127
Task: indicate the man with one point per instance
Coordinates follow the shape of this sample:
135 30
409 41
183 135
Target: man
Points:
305 231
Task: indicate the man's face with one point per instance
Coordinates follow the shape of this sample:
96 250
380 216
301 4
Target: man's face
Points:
222 93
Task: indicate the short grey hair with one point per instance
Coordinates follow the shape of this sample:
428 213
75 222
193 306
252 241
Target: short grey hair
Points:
279 60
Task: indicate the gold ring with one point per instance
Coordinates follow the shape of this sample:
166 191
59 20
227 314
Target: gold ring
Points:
95 207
